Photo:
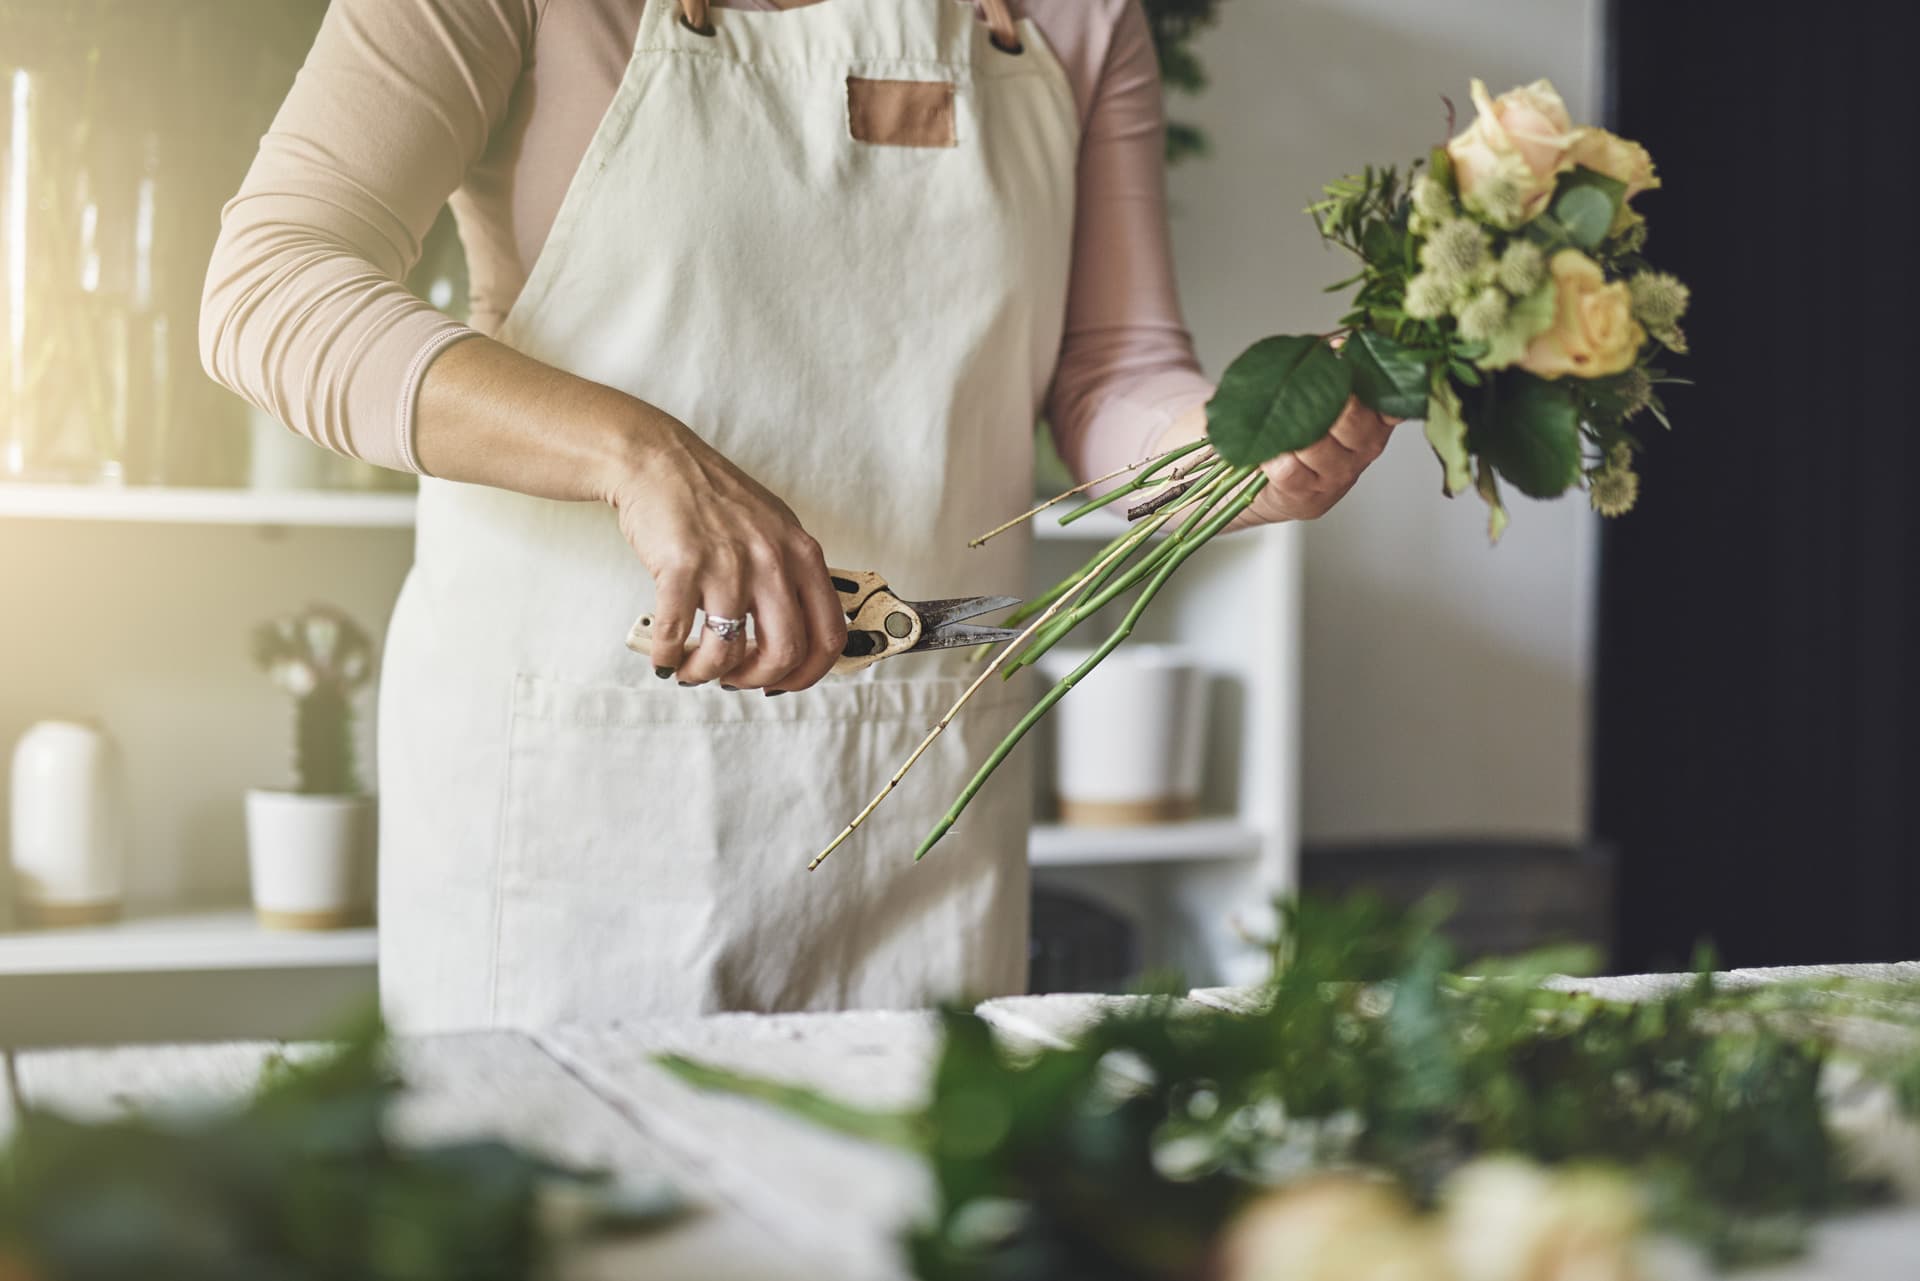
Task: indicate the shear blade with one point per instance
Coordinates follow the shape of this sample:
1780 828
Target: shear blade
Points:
935 614
960 635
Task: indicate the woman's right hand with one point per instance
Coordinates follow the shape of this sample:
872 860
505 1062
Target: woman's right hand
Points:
715 539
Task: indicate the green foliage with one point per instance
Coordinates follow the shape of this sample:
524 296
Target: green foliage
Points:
1387 377
1123 1156
320 658
1529 429
1527 319
1174 24
1282 394
300 1184
324 759
1447 433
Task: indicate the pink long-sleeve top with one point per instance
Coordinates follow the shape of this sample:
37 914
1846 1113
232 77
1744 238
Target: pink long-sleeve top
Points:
405 105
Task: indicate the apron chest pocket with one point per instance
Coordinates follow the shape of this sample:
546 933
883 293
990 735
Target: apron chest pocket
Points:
901 113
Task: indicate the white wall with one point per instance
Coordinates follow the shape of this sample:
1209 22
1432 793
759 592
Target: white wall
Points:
146 628
1445 683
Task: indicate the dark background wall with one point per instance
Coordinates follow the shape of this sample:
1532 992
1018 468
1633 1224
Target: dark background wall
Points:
1757 715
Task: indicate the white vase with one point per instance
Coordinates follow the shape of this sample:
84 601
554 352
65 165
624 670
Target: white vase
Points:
311 859
1131 737
69 825
280 460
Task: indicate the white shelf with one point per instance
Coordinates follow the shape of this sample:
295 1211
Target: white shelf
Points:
341 509
215 940
1199 840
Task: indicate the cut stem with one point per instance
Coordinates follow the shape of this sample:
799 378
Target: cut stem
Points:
1148 479
979 682
1116 583
1117 473
1220 520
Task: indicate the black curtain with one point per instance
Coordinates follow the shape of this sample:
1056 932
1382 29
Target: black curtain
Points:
1757 714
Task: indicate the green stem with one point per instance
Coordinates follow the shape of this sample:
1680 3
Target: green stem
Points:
1120 576
1220 520
1134 535
1145 480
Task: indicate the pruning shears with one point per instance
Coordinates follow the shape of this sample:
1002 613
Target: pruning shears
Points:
882 625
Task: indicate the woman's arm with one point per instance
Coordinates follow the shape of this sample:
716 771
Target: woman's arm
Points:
1128 383
306 316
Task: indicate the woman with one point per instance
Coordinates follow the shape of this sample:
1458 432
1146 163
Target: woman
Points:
749 284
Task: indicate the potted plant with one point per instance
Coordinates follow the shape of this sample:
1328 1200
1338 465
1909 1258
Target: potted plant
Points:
310 848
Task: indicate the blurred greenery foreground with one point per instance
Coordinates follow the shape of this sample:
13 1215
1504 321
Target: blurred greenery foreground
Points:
1373 1113
1376 1115
301 1184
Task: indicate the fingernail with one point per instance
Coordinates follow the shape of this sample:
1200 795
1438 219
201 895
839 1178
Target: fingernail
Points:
663 672
686 684
731 689
775 693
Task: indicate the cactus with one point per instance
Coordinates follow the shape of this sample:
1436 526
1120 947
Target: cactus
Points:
321 659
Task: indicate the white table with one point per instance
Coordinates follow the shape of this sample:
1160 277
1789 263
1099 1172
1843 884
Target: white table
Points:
778 1198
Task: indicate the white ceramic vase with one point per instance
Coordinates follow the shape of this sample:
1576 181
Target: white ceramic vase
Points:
69 825
1131 737
311 859
280 460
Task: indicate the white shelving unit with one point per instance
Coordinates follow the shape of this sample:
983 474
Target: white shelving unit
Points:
316 509
1193 884
183 942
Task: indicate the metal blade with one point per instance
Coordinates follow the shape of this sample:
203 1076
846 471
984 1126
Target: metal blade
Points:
959 635
935 614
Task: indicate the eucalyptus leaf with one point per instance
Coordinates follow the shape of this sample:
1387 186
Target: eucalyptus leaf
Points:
1531 435
1281 395
1447 433
1387 377
1586 214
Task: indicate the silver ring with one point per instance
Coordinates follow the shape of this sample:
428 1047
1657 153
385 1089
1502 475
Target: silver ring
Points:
726 628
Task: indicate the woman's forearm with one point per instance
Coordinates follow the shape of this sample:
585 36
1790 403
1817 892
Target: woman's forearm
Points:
488 415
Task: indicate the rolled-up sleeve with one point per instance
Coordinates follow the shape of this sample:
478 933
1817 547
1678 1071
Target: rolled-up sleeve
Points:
1127 367
305 313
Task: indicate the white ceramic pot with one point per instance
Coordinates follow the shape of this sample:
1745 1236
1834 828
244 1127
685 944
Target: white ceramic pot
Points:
1131 737
69 825
311 859
280 460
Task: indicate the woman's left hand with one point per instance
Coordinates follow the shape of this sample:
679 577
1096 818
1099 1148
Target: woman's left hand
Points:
1306 484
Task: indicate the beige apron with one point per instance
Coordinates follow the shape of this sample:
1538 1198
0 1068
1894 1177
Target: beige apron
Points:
868 329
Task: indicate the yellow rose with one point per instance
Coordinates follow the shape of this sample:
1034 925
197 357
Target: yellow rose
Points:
1620 159
1594 333
1332 1227
1506 162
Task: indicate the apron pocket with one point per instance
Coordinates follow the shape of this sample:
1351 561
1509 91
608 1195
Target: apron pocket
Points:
655 844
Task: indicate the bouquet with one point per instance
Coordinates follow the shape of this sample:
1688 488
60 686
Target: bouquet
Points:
1501 295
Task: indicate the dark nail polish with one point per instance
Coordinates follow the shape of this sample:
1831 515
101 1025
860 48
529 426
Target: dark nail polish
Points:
663 672
686 684
775 693
731 689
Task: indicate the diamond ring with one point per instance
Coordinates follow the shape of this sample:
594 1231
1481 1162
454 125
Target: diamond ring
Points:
726 628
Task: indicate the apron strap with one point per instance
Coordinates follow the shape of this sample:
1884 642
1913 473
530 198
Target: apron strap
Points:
1006 33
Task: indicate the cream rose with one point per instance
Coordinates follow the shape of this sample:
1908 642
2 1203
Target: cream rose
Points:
1506 162
1334 1227
1594 333
1620 159
1508 1219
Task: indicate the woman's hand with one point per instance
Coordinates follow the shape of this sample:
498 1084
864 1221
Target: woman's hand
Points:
715 539
1306 484
712 537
